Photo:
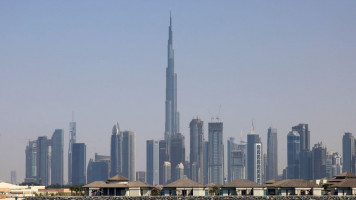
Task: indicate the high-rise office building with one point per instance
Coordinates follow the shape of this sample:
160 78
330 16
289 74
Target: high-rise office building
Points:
293 150
152 162
72 140
166 172
13 177
319 161
272 154
57 157
237 165
97 171
172 115
105 159
348 152
304 133
31 162
163 157
179 171
216 153
116 151
336 164
42 161
141 176
129 155
79 164
305 165
231 147
197 150
177 153
329 164
206 162
254 157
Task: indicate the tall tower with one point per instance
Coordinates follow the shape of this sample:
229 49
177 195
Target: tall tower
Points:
254 157
293 150
272 154
216 153
348 152
115 151
57 157
128 155
72 140
197 150
152 162
172 116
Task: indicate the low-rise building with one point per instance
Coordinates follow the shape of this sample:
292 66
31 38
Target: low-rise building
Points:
242 187
292 187
183 187
118 186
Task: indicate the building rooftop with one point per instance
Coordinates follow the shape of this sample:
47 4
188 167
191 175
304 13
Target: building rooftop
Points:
293 183
184 183
118 178
242 183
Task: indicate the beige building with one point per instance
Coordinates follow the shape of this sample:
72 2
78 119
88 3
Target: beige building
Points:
183 187
242 187
118 186
292 187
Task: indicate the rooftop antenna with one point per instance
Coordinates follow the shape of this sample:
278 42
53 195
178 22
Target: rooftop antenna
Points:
253 127
218 116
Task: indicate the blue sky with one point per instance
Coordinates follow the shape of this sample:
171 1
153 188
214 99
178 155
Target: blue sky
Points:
279 63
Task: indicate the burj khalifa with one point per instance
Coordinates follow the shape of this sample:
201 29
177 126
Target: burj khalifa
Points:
172 116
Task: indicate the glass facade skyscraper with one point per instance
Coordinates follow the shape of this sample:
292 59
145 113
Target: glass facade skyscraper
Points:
293 150
57 157
197 150
272 154
216 153
152 162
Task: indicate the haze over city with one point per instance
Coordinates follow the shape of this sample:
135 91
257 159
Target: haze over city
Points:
278 63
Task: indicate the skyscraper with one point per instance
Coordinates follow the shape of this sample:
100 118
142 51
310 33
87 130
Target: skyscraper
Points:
231 147
254 157
206 162
79 164
97 171
216 153
115 151
348 152
172 116
166 173
319 161
293 150
177 153
141 176
129 155
305 154
72 139
336 164
152 162
272 154
179 171
304 133
31 162
57 157
42 161
13 177
197 150
163 157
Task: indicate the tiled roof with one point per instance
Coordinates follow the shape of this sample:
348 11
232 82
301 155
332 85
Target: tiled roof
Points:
346 183
242 183
210 185
293 183
139 184
102 184
346 175
118 178
270 181
184 183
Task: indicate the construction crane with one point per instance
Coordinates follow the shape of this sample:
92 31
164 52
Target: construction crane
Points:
218 116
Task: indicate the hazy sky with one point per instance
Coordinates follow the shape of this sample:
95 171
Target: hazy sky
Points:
278 62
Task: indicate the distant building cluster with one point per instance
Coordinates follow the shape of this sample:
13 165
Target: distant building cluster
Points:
166 161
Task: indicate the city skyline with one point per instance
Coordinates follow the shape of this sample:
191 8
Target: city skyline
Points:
327 104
